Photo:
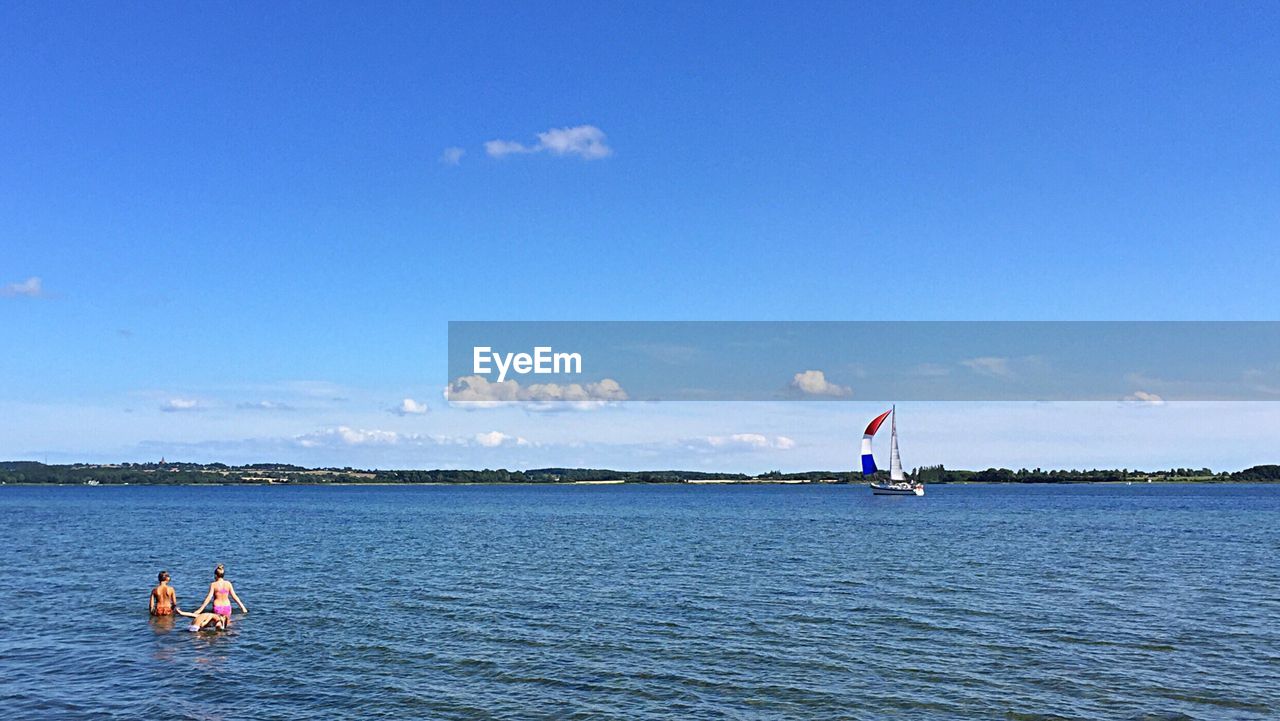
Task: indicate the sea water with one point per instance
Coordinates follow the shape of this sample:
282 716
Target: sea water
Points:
646 602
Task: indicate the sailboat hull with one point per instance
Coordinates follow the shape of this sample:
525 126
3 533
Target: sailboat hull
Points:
896 489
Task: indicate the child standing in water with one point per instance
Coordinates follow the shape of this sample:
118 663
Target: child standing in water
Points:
221 592
163 598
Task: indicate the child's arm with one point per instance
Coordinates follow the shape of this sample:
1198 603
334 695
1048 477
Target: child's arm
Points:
232 589
180 612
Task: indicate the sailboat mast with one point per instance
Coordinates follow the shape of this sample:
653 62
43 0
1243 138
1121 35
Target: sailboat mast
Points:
895 460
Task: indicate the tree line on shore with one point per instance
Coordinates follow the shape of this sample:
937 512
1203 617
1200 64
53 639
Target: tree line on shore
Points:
13 472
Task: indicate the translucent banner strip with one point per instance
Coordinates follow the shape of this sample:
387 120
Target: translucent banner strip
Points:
618 361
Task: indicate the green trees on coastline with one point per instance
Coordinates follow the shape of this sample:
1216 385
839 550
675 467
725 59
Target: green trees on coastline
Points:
1258 474
938 474
13 472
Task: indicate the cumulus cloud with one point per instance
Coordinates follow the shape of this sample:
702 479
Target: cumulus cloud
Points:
1144 397
410 407
480 392
992 366
585 141
815 383
174 405
452 155
30 288
742 442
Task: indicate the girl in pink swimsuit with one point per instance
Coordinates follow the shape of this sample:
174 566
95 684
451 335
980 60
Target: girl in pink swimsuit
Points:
221 592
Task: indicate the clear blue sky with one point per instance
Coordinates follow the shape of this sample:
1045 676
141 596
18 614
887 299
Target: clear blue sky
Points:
234 204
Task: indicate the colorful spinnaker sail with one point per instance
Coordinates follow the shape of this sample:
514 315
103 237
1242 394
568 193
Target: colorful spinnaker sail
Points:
868 460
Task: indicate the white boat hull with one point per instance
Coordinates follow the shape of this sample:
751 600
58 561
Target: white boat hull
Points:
897 489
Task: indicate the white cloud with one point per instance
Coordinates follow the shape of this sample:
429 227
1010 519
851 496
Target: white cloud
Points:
479 392
452 155
815 383
29 288
1145 398
410 407
502 148
346 436
180 404
742 442
585 141
989 366
355 436
493 439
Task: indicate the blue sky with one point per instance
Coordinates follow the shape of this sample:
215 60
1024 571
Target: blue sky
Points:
228 207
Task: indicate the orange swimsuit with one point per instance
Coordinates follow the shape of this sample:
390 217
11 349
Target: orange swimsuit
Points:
163 606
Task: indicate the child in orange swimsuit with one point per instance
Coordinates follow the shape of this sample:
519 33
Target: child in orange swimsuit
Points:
163 598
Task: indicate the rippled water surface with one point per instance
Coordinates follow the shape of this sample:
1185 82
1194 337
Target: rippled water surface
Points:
1023 602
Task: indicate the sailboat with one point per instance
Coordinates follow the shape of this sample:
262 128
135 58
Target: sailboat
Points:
898 484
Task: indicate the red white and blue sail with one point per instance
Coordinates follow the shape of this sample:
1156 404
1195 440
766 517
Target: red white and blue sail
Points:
868 460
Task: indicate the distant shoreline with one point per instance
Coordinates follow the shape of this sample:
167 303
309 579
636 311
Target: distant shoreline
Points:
166 473
531 484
